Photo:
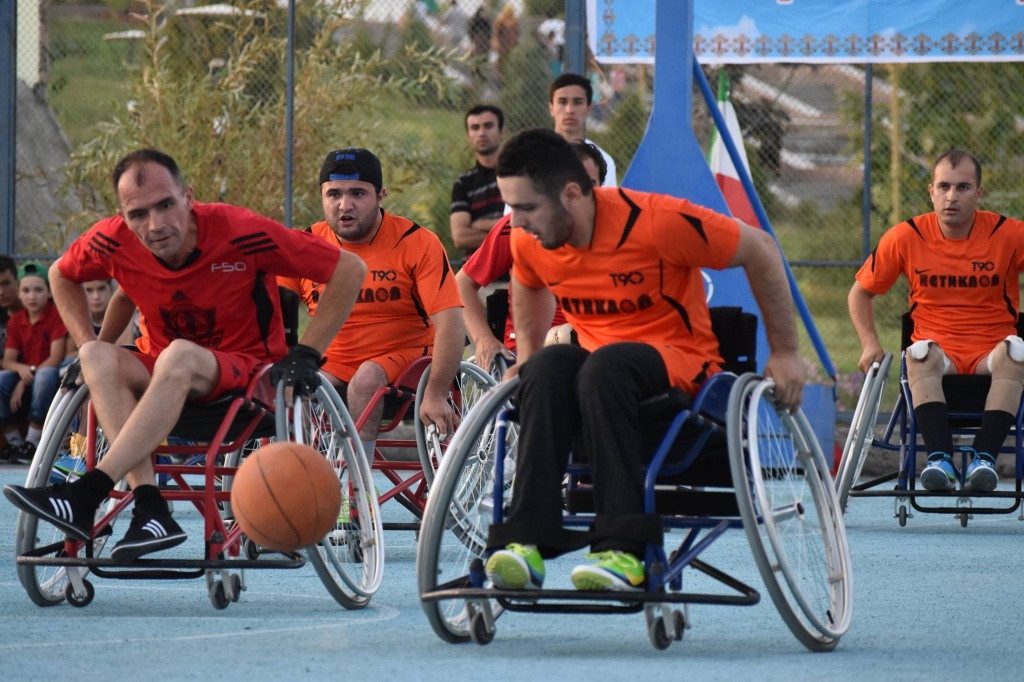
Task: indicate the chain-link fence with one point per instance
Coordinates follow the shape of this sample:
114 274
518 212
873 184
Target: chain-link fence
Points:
396 76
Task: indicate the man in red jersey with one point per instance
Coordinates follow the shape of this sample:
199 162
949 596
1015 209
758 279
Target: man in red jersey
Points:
203 277
625 268
963 268
409 305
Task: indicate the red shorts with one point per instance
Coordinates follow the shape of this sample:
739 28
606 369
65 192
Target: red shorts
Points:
393 363
236 371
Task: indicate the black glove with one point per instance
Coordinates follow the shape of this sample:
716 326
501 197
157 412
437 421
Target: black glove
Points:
299 369
71 374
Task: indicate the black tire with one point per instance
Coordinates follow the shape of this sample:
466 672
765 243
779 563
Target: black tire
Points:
218 596
83 601
658 634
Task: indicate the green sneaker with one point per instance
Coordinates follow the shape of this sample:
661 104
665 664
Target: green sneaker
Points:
613 571
517 567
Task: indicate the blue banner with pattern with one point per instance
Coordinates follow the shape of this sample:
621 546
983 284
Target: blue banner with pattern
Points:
818 31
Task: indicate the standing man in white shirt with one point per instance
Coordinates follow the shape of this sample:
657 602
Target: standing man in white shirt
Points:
570 99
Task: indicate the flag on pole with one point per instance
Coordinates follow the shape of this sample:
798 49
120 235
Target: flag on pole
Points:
722 166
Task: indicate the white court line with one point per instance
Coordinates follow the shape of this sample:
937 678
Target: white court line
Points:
386 613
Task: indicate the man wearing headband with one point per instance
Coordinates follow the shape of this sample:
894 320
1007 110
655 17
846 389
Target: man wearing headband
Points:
409 305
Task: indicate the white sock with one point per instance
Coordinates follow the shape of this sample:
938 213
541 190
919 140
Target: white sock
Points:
368 447
13 437
34 435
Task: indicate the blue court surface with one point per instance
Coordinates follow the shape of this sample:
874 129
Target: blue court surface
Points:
932 601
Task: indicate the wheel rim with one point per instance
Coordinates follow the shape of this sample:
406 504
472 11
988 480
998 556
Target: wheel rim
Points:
798 520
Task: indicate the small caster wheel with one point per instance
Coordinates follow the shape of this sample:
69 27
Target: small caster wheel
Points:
680 622
236 587
963 520
218 597
659 637
250 549
478 630
901 515
75 600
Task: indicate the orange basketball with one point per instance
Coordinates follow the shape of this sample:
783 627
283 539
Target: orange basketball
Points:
286 496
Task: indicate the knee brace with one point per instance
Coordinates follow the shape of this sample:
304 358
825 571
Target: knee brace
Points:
1006 364
922 352
1008 356
925 366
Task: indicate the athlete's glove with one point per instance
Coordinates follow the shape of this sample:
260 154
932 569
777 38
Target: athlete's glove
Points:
299 369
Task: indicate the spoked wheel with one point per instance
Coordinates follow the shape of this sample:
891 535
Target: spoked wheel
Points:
350 558
862 429
60 458
790 514
460 510
470 385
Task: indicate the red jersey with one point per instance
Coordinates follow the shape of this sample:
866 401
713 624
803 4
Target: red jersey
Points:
493 260
639 279
408 279
225 295
964 293
32 341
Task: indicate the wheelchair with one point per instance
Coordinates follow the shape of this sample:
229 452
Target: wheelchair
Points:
408 478
965 398
783 498
349 560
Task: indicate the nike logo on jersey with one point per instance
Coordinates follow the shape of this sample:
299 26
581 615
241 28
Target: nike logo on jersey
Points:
921 272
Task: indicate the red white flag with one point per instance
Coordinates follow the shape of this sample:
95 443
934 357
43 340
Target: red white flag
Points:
722 166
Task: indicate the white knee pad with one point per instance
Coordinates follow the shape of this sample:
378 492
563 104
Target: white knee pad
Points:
1014 348
919 351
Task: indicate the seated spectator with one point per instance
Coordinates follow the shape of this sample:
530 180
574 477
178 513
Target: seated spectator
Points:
35 348
493 260
9 302
98 294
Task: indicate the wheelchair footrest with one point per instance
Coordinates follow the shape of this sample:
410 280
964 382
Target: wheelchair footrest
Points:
541 601
159 569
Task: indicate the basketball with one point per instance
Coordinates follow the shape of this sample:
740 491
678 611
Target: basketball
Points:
286 496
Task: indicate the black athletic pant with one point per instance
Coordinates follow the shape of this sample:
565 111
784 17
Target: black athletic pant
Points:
565 392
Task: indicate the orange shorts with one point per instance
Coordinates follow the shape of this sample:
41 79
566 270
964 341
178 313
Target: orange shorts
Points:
685 369
393 363
236 371
966 362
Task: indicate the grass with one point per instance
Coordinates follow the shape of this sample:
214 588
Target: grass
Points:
89 76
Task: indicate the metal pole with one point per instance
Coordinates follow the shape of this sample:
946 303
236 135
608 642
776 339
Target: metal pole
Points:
8 112
575 37
289 154
866 200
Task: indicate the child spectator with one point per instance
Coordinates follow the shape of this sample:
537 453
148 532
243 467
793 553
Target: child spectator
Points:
98 294
35 347
8 294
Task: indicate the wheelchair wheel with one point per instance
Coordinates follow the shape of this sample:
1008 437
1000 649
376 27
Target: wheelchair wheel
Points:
350 558
790 514
59 458
862 429
460 510
470 384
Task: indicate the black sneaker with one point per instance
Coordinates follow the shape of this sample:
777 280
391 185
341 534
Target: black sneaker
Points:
24 453
57 504
7 453
147 533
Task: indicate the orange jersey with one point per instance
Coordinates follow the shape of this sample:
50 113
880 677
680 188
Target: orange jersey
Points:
964 293
639 278
408 279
